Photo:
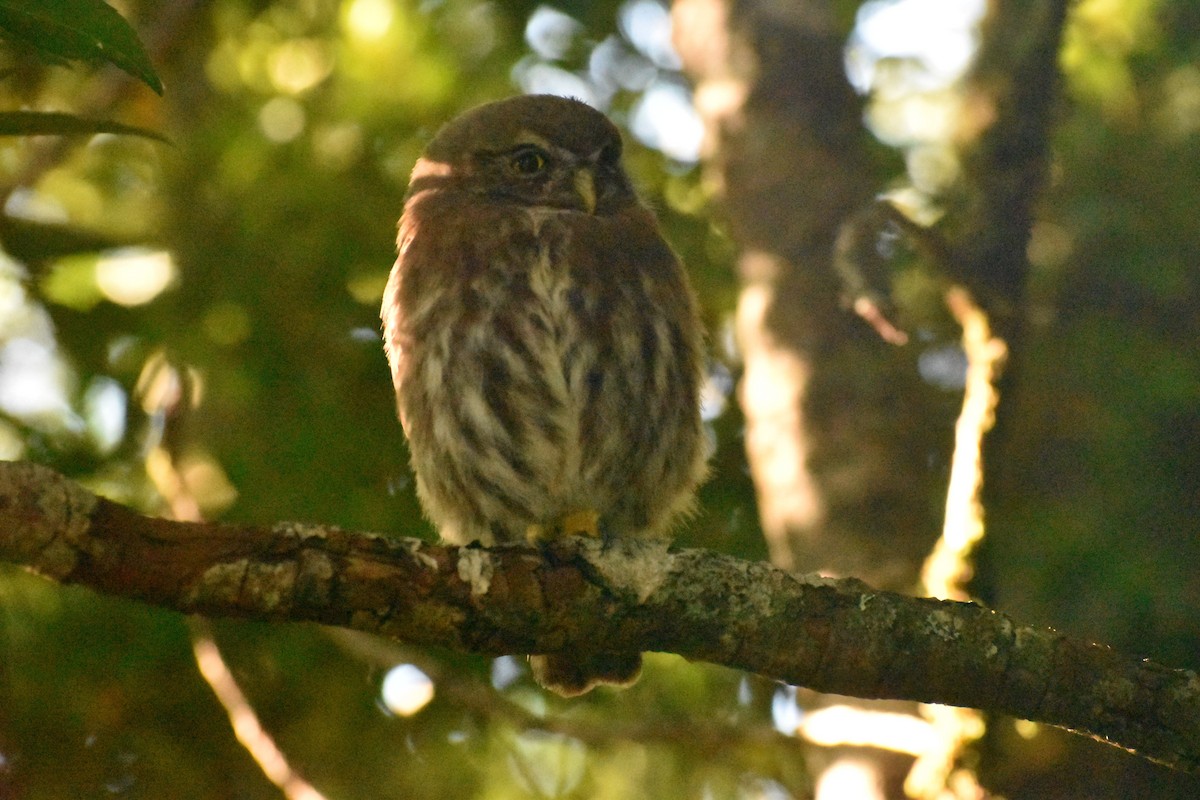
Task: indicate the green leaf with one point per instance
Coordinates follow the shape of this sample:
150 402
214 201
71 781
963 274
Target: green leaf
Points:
52 123
34 242
71 282
86 30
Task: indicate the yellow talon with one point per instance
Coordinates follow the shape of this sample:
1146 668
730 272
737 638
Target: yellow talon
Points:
581 523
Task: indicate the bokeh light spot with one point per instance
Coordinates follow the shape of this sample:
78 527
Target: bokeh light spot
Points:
281 119
134 276
369 19
550 33
33 381
647 25
337 146
505 671
944 366
299 64
406 690
367 287
104 408
786 714
941 35
207 482
665 119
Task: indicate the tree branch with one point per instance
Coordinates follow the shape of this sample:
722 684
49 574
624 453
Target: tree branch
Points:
832 636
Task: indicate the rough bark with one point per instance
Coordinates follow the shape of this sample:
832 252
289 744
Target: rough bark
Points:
1003 139
832 636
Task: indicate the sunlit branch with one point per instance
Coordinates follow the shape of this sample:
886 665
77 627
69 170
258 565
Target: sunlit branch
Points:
246 727
166 391
831 636
949 567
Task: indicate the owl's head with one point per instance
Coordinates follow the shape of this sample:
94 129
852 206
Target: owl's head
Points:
535 150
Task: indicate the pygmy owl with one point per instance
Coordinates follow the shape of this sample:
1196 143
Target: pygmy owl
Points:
544 344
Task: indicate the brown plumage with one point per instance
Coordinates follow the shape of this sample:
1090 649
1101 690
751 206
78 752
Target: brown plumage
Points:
544 344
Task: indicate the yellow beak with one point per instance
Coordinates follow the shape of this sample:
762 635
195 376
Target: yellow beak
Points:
585 185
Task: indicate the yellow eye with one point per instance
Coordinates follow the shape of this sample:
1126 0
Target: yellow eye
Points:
527 162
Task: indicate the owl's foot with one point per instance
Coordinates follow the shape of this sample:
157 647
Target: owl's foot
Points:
578 523
581 523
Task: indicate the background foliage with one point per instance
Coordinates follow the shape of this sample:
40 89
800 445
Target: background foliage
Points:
206 311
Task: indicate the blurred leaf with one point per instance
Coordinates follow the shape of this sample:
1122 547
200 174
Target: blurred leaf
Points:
87 30
52 123
72 283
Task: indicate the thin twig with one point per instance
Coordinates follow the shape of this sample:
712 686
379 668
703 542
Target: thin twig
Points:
166 392
246 727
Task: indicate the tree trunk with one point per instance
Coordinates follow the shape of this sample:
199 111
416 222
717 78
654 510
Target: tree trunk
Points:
840 433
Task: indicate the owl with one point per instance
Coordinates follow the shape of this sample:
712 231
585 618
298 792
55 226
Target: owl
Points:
544 344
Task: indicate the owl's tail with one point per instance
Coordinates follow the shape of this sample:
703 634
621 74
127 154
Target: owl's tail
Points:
575 674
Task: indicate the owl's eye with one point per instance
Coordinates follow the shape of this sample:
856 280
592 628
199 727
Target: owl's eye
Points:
529 161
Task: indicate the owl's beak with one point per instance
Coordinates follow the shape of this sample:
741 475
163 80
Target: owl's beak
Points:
585 186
